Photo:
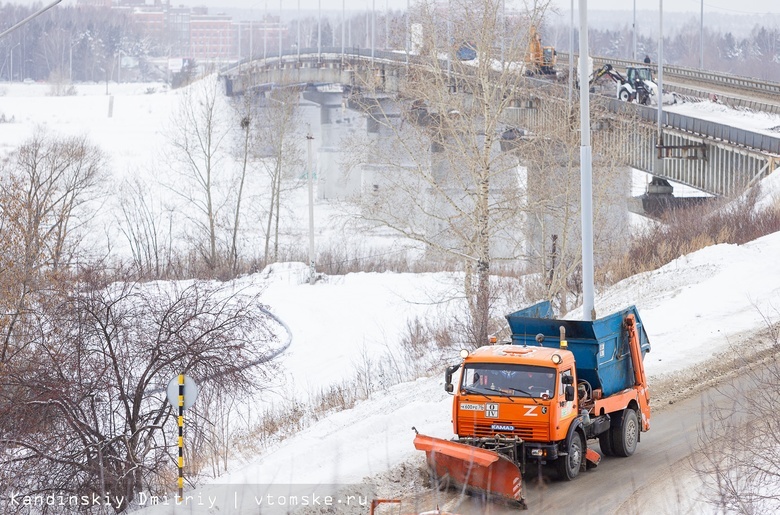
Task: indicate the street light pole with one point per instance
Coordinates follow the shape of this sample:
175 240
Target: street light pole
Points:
701 37
312 270
571 57
280 34
634 30
319 31
586 173
660 74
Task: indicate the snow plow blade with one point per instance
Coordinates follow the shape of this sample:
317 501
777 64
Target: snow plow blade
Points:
472 468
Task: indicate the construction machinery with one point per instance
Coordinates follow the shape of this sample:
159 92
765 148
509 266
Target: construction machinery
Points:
539 59
534 404
637 85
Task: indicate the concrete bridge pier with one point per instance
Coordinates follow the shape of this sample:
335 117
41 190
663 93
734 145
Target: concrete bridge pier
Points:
337 124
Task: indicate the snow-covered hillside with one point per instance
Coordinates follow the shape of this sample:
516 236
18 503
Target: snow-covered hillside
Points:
693 308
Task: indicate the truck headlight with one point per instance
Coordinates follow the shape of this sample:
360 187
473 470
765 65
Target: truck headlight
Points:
537 452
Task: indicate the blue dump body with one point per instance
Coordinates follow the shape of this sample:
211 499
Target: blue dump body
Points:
600 348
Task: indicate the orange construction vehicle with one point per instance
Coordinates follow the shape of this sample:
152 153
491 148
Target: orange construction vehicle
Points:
539 59
539 400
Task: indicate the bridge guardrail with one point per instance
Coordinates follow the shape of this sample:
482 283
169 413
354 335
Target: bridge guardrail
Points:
715 78
725 133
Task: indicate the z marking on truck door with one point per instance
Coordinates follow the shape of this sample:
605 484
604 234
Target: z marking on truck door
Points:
530 411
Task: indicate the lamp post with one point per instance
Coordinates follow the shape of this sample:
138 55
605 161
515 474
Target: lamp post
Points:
634 30
408 42
571 57
280 34
11 64
659 162
586 172
319 31
701 37
312 270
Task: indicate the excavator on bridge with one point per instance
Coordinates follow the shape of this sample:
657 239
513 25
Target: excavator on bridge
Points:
539 59
637 85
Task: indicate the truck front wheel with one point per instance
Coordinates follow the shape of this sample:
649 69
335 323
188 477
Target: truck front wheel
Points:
569 465
626 434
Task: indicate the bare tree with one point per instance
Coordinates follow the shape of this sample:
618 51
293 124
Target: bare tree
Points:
477 162
147 226
85 413
199 132
439 175
739 436
45 194
280 155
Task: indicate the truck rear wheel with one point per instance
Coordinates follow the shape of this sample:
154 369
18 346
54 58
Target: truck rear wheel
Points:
625 435
569 465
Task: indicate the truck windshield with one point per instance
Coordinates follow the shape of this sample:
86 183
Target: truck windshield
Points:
508 380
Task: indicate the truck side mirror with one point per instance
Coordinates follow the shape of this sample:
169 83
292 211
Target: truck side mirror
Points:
448 378
569 393
567 380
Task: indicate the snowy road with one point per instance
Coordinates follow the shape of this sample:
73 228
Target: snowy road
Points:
657 479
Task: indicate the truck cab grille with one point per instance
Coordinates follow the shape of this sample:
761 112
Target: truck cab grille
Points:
482 428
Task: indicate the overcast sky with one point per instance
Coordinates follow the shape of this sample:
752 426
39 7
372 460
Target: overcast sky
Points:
720 6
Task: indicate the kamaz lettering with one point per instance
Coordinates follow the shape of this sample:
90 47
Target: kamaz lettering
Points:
502 427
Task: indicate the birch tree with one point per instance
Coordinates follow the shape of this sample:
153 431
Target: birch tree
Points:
199 136
450 161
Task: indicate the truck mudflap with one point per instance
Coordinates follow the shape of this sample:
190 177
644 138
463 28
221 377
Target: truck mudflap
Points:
472 468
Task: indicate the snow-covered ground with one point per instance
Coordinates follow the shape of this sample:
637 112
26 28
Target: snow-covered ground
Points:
762 123
692 308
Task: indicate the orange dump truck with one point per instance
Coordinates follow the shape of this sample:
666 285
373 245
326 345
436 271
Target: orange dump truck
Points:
539 400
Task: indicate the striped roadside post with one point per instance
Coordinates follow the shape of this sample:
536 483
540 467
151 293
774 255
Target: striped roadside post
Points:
181 437
182 392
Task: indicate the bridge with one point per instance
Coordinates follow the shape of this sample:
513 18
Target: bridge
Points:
711 157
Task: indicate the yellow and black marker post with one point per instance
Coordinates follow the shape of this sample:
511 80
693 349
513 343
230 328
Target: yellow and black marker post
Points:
181 392
181 437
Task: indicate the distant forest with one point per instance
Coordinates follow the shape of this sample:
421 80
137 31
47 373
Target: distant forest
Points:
754 55
82 43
